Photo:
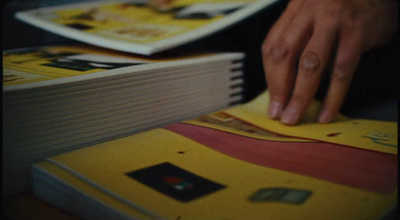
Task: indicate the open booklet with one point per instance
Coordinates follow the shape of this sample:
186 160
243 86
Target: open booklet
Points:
232 164
59 98
133 26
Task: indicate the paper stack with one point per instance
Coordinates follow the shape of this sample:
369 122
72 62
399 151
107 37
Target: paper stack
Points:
60 98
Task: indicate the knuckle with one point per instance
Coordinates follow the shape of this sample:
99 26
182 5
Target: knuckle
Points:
310 4
266 48
333 9
346 14
276 51
309 62
350 25
350 21
331 12
342 72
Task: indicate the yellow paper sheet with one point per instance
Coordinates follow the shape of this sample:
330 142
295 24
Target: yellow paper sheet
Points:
366 134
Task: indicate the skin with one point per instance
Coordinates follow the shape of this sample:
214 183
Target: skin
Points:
308 36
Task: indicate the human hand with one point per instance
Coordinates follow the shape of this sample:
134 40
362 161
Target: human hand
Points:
308 34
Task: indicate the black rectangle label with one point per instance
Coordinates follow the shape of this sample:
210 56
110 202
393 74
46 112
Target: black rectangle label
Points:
175 182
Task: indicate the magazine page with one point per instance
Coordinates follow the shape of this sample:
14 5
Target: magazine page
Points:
360 133
134 26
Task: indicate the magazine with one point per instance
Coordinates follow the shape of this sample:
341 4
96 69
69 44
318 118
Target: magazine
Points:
133 26
228 165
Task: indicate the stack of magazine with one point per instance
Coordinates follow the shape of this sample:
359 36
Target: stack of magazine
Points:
61 98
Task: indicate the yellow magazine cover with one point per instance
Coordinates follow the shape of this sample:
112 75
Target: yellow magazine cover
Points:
225 166
135 26
41 64
53 62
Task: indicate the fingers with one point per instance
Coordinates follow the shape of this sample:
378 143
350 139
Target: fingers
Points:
306 33
362 30
347 58
312 64
280 56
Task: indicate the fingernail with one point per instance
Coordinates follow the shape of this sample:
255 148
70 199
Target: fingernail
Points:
290 116
275 109
309 62
325 116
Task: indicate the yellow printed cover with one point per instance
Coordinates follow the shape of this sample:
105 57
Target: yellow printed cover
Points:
29 65
135 26
54 62
225 166
366 134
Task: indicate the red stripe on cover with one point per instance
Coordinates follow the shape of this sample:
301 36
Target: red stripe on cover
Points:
354 167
